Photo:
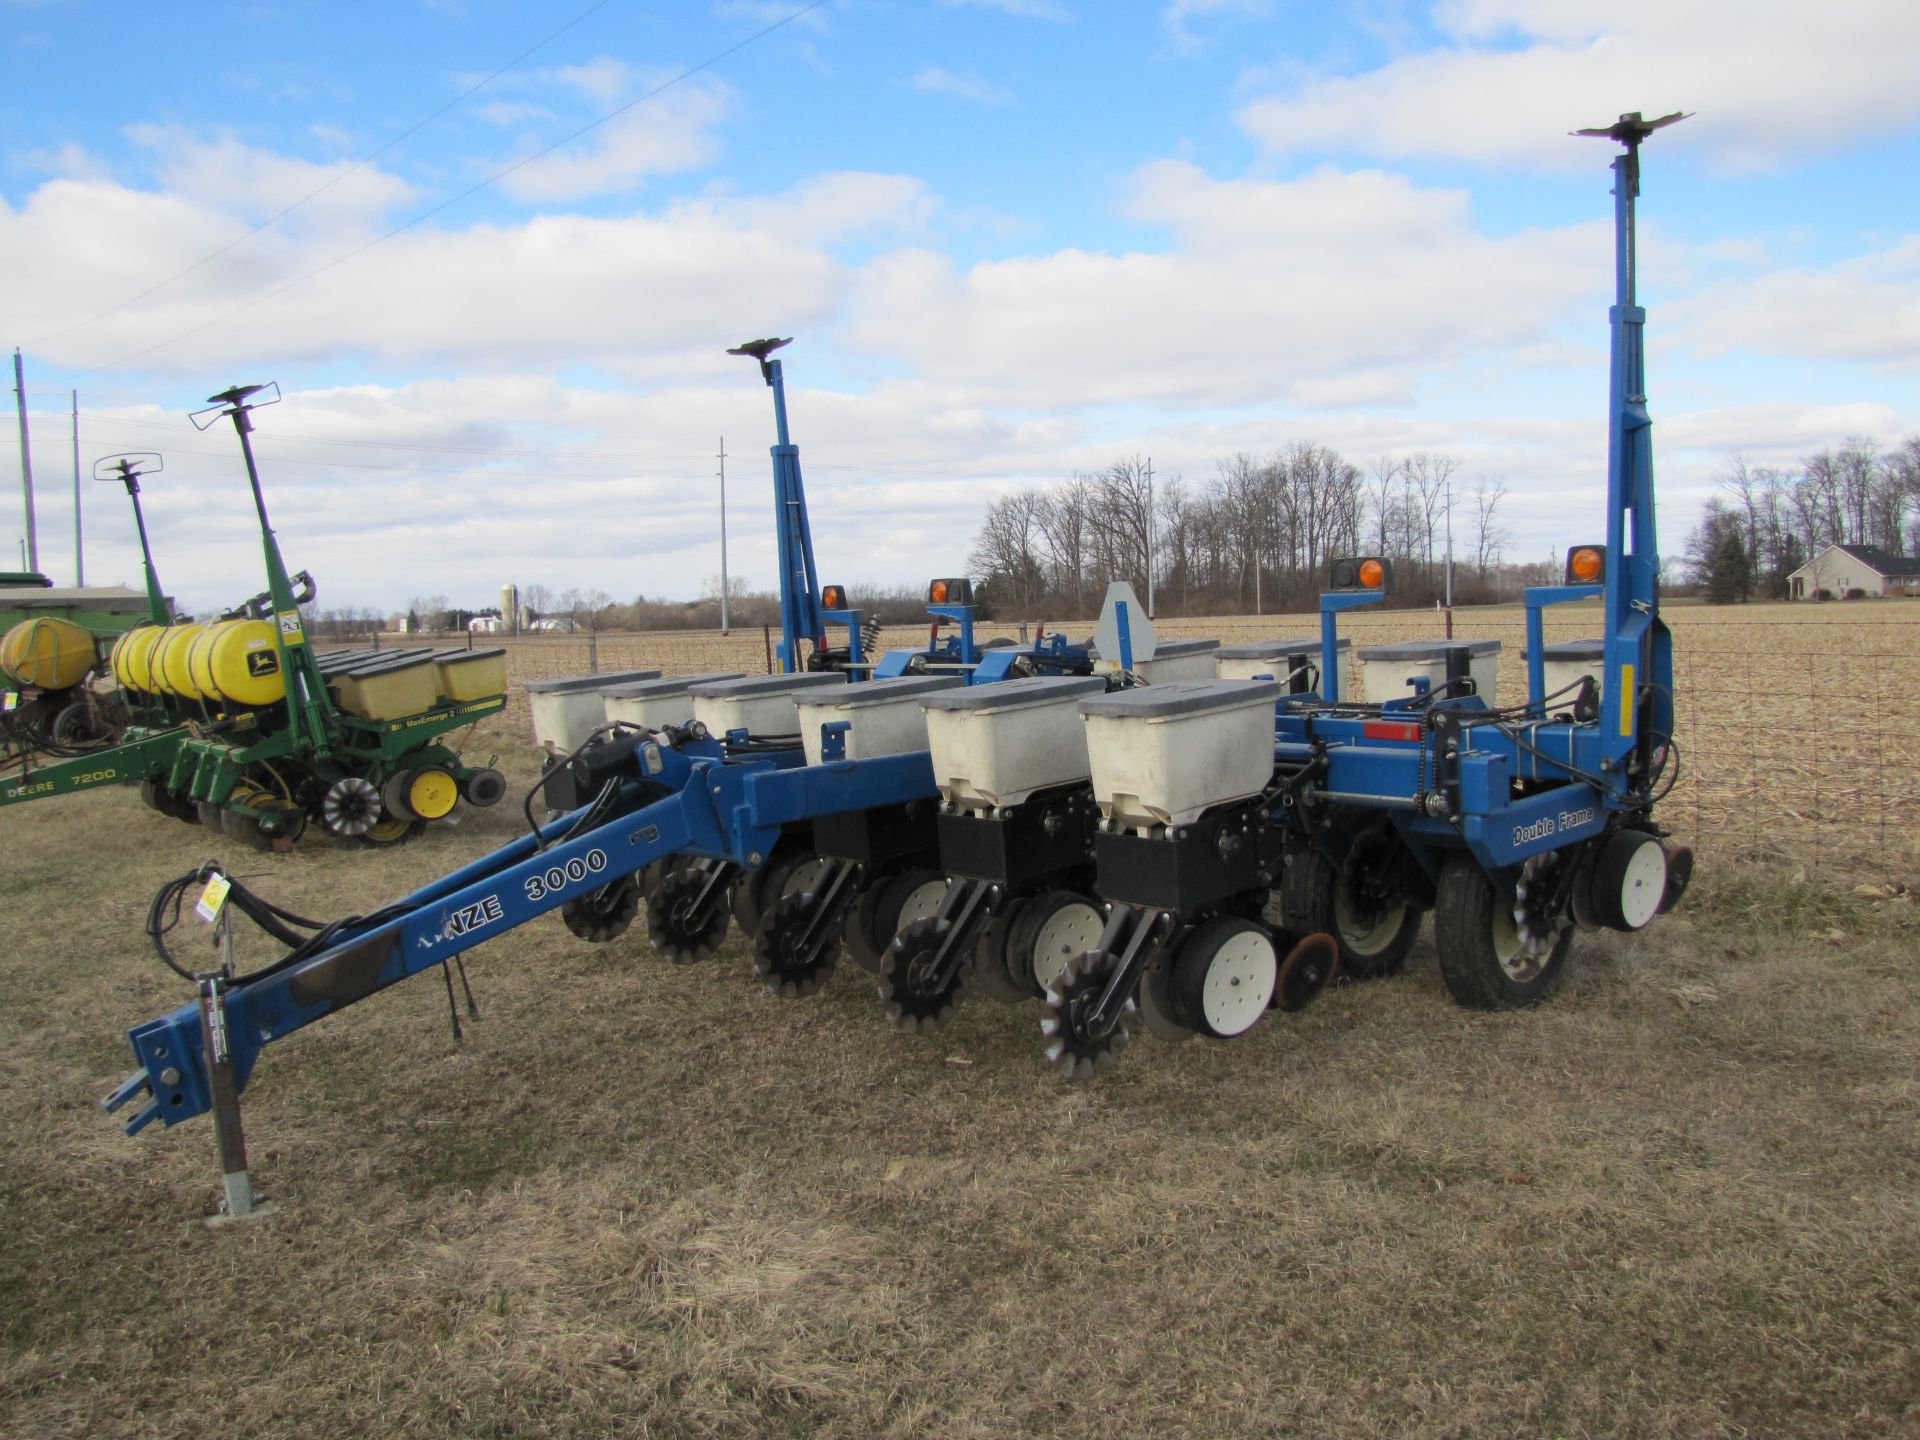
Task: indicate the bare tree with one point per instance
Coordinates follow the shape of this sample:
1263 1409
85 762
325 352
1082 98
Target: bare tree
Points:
1489 535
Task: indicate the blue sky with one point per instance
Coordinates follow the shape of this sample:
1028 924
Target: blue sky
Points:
1013 238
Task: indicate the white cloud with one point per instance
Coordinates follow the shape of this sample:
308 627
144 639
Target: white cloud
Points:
933 80
248 182
670 133
1022 9
1180 13
1315 291
1866 308
645 293
1771 80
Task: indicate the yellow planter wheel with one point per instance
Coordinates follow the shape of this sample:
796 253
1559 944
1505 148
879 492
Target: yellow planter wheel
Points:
432 793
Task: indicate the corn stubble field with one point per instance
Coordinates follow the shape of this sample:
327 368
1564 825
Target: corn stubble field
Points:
1679 1199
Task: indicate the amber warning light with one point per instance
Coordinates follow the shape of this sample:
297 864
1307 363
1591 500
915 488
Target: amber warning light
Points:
1361 572
1586 565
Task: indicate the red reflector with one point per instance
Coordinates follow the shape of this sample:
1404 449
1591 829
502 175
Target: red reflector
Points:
1389 730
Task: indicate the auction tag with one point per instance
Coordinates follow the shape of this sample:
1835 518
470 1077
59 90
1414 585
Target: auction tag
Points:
212 898
9 701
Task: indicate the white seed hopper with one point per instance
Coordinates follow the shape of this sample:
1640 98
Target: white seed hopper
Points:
1167 754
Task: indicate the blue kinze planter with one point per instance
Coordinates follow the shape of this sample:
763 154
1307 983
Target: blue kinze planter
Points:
1195 853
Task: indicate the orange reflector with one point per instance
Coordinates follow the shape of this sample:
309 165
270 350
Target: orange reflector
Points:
1389 730
939 592
1586 565
1372 574
834 598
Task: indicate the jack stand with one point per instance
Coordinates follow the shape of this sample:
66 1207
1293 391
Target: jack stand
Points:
239 1202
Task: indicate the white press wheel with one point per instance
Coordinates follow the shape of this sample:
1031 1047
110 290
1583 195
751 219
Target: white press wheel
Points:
1222 979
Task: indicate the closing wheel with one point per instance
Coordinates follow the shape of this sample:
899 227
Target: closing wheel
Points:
914 996
687 915
1360 905
350 807
483 788
209 814
1490 959
1629 881
1221 980
888 906
782 956
1072 1049
1053 928
604 914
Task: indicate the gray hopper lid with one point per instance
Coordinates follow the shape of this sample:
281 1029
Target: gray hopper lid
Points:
1573 650
1182 697
753 686
1015 694
886 692
1430 650
1277 649
586 682
659 689
458 653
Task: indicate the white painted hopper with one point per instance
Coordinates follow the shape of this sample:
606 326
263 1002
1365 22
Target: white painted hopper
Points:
568 710
1166 754
884 715
762 705
1387 670
655 704
995 745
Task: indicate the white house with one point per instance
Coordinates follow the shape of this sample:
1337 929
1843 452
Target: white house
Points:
1840 569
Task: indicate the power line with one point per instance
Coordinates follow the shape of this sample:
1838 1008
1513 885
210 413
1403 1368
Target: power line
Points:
321 189
448 204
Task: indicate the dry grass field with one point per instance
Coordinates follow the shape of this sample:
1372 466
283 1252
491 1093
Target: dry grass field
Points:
1680 1199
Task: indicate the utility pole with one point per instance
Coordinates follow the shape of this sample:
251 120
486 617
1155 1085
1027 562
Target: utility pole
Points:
26 460
1449 557
723 535
1150 537
79 554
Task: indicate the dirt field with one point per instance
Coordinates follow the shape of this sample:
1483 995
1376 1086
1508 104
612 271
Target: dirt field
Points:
1682 1198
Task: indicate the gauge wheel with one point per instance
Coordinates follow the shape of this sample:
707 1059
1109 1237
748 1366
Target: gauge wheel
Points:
1222 980
888 906
1491 958
1054 927
1375 927
787 872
